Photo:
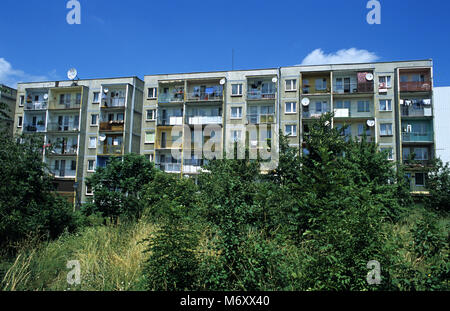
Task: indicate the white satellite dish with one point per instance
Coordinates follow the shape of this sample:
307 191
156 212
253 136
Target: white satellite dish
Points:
305 101
327 123
102 137
369 77
222 82
106 91
72 74
274 79
45 96
370 123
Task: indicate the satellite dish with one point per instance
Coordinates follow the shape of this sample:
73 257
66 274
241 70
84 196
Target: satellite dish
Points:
274 79
369 77
102 137
222 82
45 96
370 123
106 91
327 123
72 74
305 101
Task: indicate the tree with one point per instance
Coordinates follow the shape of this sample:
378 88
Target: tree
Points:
118 187
28 204
439 186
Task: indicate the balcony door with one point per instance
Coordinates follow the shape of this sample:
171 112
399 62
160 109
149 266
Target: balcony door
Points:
62 169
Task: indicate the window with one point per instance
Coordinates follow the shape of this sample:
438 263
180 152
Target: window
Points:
150 137
386 129
321 84
89 190
363 106
385 105
236 89
91 166
390 153
291 85
61 99
73 165
56 167
290 107
22 99
362 128
152 92
421 154
96 97
343 104
290 130
236 112
19 121
420 179
236 136
385 81
322 107
94 119
92 142
150 114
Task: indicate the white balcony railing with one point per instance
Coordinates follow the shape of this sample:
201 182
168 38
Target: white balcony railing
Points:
194 120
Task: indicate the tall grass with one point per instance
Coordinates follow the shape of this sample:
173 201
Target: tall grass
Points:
111 259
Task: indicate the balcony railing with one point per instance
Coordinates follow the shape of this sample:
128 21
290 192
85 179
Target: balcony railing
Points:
195 120
261 118
112 126
342 113
64 173
169 121
170 167
257 94
165 98
56 127
33 128
309 114
414 112
71 104
205 96
415 86
116 102
110 149
417 137
36 105
66 151
353 88
173 143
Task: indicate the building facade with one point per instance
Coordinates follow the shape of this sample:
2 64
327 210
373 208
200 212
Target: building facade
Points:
442 128
8 97
83 124
181 121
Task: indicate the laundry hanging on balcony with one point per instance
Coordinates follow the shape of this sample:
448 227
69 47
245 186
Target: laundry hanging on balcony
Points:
426 102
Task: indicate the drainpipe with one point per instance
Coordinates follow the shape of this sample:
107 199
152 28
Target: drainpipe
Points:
132 114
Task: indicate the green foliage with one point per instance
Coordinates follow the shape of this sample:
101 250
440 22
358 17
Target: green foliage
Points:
118 187
438 183
27 203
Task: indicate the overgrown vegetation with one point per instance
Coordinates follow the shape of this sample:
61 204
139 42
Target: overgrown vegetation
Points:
312 224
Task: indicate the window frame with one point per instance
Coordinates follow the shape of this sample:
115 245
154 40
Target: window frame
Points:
291 105
153 115
94 101
19 121
154 137
291 133
93 166
92 138
292 85
154 93
388 101
391 130
387 78
239 108
96 119
240 88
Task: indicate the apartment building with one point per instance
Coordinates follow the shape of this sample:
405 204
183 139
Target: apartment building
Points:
181 121
442 108
83 124
8 97
391 103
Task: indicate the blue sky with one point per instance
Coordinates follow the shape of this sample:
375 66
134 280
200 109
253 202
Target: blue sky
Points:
138 37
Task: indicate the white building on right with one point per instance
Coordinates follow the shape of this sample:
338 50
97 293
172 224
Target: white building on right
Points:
442 122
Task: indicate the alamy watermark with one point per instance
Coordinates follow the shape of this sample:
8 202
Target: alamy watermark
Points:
374 15
74 15
374 275
74 275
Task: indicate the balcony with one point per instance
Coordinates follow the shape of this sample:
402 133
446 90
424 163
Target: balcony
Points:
67 104
110 149
260 144
203 93
257 94
170 121
417 137
261 118
342 113
114 102
37 105
112 126
353 88
415 86
170 167
64 151
416 112
166 98
57 127
174 143
199 120
63 173
312 114
33 128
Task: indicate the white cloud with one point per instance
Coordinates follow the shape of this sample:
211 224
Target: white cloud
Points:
10 76
352 55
